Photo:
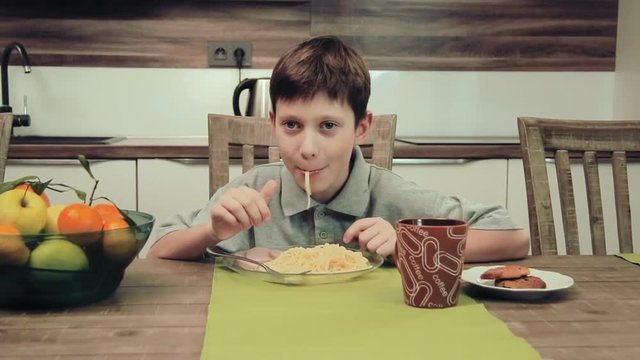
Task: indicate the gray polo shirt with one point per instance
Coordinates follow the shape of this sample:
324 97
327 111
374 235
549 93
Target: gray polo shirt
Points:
370 191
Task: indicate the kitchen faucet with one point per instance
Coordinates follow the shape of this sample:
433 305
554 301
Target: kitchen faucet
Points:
18 120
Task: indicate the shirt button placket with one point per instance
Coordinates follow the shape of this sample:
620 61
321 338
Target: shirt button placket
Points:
321 224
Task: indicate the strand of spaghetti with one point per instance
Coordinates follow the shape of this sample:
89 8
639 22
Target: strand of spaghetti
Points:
307 188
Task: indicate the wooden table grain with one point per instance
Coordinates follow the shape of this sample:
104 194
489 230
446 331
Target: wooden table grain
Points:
598 318
160 312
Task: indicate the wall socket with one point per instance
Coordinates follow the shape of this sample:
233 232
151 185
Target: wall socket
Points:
221 53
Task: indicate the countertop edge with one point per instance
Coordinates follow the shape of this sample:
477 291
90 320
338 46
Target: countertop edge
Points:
133 150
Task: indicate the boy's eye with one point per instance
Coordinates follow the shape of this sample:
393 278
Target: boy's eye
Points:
329 125
290 124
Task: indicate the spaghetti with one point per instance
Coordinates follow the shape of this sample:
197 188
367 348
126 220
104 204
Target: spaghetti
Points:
321 259
307 188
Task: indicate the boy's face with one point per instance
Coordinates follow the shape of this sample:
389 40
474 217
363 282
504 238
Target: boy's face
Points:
318 136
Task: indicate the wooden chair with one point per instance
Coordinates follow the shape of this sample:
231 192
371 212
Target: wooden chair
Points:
253 133
590 141
6 121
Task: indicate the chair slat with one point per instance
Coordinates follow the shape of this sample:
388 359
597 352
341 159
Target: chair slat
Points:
594 200
248 157
567 202
6 122
541 223
274 154
384 129
218 153
623 206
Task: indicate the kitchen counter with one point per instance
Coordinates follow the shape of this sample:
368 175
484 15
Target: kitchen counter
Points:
197 148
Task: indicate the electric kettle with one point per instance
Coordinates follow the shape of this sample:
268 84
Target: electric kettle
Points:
258 103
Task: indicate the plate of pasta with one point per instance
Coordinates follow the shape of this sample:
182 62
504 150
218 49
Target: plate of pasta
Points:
321 264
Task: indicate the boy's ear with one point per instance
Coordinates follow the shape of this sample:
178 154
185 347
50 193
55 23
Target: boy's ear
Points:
363 128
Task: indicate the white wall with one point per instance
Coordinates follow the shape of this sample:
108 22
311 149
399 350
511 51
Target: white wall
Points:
174 102
627 76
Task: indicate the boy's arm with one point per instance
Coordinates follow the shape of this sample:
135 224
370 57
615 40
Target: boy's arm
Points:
184 244
238 209
496 245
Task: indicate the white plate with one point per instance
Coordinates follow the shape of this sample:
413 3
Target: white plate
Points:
375 261
555 282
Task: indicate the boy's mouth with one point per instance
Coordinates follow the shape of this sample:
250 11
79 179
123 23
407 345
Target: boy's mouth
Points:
311 172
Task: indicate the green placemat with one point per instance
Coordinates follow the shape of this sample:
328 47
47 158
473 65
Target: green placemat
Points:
361 319
634 258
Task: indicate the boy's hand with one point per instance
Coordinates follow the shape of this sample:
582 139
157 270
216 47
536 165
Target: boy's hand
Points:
374 234
240 209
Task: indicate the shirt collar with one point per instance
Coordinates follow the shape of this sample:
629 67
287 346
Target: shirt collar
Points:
352 199
294 198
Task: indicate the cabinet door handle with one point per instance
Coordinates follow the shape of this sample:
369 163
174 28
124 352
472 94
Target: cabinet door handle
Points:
51 161
431 161
190 161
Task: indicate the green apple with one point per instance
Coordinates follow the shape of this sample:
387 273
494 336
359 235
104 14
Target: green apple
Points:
23 209
58 254
51 225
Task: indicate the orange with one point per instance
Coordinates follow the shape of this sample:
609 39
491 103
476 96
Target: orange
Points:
107 211
115 223
118 241
6 229
44 196
13 251
80 218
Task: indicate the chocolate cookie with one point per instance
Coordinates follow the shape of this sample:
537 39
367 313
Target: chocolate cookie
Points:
526 282
505 272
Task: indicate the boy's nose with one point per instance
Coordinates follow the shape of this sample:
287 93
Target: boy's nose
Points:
309 148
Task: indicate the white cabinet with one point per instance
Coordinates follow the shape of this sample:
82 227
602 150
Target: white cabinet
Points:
171 186
168 187
483 181
517 203
117 178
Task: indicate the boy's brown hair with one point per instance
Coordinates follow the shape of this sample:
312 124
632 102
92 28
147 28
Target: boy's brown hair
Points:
322 64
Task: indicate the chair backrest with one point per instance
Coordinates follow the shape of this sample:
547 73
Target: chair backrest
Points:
6 121
589 141
228 134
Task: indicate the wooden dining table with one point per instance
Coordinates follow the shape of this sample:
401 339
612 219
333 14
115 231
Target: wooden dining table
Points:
160 312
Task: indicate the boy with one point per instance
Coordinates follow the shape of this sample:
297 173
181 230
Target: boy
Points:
319 91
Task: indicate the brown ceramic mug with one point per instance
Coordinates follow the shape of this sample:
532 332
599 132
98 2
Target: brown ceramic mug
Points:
430 258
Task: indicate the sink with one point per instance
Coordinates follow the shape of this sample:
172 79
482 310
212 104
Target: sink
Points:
71 140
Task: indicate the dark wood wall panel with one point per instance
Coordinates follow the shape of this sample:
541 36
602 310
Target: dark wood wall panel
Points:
475 34
148 33
524 35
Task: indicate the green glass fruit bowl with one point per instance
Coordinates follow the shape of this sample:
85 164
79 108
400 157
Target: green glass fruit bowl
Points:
69 269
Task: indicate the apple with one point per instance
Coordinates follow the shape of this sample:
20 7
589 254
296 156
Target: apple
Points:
58 253
53 211
28 187
23 209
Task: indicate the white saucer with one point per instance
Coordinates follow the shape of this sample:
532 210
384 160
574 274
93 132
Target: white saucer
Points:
555 282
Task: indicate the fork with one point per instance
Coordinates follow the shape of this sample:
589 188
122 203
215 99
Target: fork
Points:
256 262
